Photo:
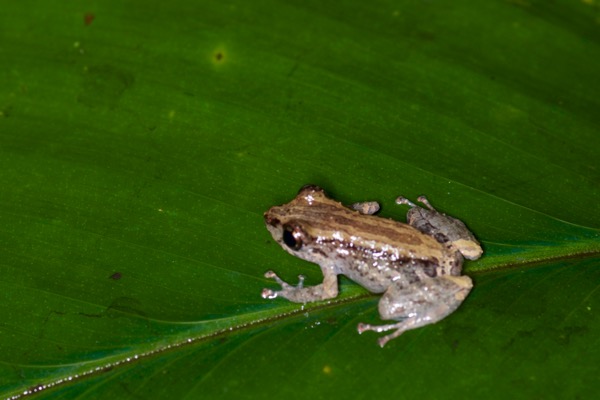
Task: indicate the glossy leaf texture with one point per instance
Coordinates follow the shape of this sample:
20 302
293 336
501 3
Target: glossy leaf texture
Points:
140 143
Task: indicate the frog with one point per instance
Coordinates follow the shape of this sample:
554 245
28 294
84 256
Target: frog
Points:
416 266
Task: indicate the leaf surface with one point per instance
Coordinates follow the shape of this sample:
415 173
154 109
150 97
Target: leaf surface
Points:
141 143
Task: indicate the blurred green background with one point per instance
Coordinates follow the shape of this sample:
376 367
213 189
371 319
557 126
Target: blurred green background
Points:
140 143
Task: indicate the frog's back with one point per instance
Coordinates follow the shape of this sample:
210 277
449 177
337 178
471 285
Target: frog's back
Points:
329 220
376 234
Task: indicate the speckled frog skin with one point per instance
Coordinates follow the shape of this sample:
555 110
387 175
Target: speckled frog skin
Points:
416 265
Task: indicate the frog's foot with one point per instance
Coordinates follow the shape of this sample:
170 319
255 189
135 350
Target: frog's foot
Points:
366 207
286 287
400 327
300 294
447 230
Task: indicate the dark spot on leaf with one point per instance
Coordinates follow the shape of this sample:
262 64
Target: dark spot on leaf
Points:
116 276
219 56
88 18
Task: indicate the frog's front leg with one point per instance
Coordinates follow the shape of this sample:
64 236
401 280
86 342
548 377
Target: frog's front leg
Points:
419 304
300 294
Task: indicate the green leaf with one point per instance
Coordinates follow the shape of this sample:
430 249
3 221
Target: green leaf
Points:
140 143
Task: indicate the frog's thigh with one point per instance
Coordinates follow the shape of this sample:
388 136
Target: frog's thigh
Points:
426 301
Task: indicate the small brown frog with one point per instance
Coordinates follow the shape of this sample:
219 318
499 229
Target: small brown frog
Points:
416 265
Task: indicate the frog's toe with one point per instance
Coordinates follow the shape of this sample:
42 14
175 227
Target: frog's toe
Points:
269 294
404 200
270 274
383 340
363 327
273 275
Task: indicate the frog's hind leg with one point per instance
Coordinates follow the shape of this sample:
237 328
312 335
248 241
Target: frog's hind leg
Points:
447 230
421 303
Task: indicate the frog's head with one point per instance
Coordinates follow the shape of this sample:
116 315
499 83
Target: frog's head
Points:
297 225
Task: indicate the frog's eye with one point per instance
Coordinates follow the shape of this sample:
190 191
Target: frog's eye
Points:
292 237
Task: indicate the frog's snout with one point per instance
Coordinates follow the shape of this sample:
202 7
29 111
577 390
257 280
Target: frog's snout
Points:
270 220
